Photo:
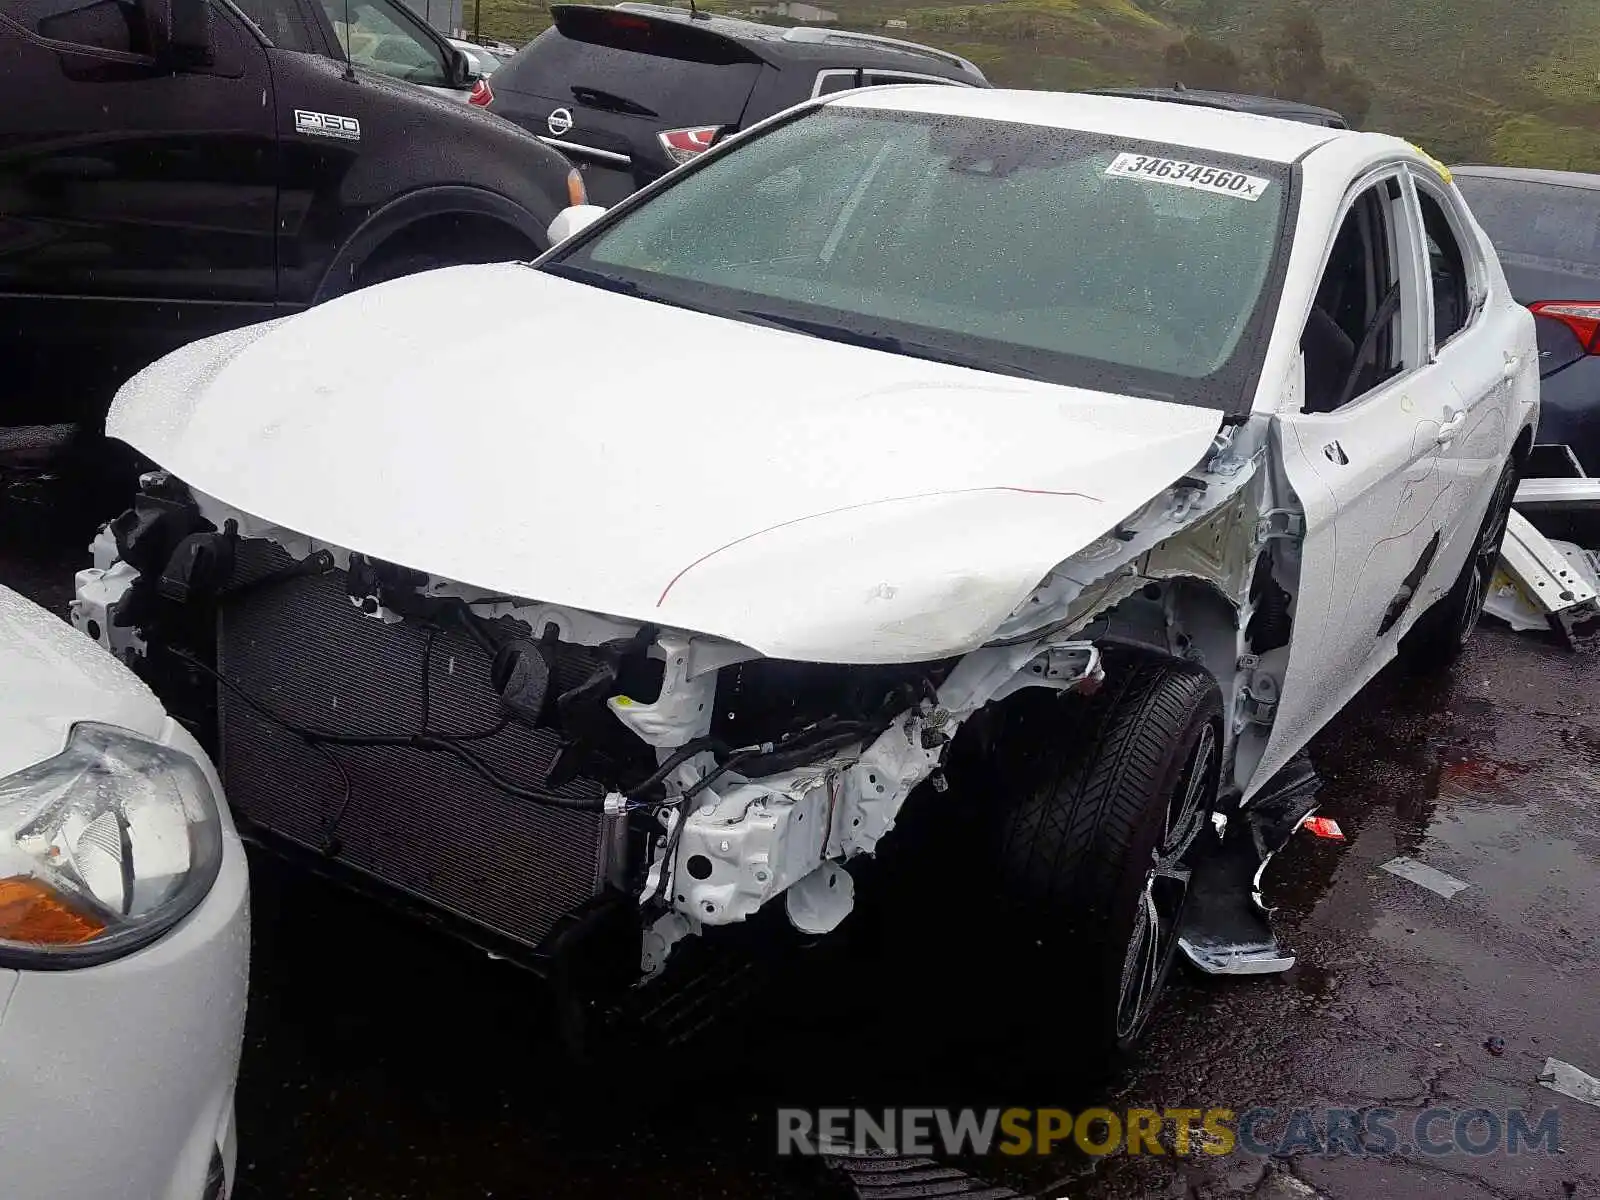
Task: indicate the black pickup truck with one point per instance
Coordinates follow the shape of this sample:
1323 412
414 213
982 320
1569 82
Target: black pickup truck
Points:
173 168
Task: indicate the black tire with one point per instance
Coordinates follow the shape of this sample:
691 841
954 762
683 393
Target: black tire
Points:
1101 801
1442 633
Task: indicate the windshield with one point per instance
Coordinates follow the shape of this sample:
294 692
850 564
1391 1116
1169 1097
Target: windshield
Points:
1026 250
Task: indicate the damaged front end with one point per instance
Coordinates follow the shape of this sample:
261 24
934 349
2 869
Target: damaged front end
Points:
516 765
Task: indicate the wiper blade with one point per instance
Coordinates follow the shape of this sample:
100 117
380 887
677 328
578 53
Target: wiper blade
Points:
615 283
890 342
600 98
610 283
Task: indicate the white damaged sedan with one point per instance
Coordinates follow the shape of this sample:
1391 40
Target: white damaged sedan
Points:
1055 464
124 932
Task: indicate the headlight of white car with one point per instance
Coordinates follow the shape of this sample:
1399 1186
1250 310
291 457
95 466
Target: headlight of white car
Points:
103 848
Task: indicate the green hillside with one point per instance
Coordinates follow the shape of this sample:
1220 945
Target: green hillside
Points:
1481 80
1499 80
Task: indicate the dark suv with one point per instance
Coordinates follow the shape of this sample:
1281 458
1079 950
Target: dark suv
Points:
173 168
632 91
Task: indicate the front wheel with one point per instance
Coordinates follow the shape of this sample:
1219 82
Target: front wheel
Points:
1442 633
1101 801
441 242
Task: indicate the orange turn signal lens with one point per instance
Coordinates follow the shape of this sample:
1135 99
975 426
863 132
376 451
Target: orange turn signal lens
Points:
577 193
33 912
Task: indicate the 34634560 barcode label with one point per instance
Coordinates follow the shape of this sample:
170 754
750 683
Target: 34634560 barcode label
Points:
1202 178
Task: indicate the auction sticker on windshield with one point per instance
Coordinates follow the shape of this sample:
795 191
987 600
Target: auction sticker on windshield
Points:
1198 176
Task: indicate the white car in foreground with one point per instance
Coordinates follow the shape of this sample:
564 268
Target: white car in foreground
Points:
1074 456
124 932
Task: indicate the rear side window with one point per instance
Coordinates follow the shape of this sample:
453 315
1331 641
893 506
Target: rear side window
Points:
644 77
1538 224
1447 271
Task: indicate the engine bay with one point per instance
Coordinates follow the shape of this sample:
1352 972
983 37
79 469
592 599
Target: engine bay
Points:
510 762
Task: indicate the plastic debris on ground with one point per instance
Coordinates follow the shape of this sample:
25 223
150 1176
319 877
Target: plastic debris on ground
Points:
1543 582
1423 875
1324 827
1567 1080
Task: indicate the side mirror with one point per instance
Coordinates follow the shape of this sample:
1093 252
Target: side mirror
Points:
460 70
573 220
182 34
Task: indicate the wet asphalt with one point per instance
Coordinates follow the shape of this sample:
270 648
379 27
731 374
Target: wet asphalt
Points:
384 1061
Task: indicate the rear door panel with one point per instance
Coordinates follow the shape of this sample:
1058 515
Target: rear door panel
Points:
1482 361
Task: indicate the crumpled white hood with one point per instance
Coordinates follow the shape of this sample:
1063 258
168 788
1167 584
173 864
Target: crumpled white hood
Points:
538 437
53 677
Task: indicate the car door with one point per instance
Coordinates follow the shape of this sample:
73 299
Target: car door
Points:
1363 456
137 203
1475 345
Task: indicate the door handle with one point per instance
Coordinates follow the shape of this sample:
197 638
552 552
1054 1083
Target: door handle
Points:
1454 420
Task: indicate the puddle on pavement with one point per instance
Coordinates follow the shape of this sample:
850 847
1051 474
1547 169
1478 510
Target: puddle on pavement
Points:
364 1059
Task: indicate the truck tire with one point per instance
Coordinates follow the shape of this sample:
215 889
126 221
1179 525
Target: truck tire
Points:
427 248
1101 801
1442 633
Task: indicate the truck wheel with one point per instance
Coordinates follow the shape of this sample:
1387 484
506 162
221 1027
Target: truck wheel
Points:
1102 799
1442 633
436 246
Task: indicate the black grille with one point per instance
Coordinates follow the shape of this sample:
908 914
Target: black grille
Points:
419 821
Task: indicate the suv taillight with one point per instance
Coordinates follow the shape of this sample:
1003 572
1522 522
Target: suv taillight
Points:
683 144
1580 316
482 95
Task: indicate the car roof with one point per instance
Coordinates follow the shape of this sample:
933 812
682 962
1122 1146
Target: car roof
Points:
779 45
1573 179
1214 129
1265 106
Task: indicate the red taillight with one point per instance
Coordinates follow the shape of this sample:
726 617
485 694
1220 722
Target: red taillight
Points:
1323 827
683 144
482 95
1580 316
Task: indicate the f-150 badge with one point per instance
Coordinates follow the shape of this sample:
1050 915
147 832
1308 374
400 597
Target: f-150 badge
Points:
327 125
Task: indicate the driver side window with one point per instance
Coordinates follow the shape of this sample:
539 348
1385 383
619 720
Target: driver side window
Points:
1353 340
384 41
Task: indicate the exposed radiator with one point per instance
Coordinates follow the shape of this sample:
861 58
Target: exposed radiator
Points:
419 821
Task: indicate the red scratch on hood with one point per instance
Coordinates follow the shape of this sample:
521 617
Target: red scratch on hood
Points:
671 583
